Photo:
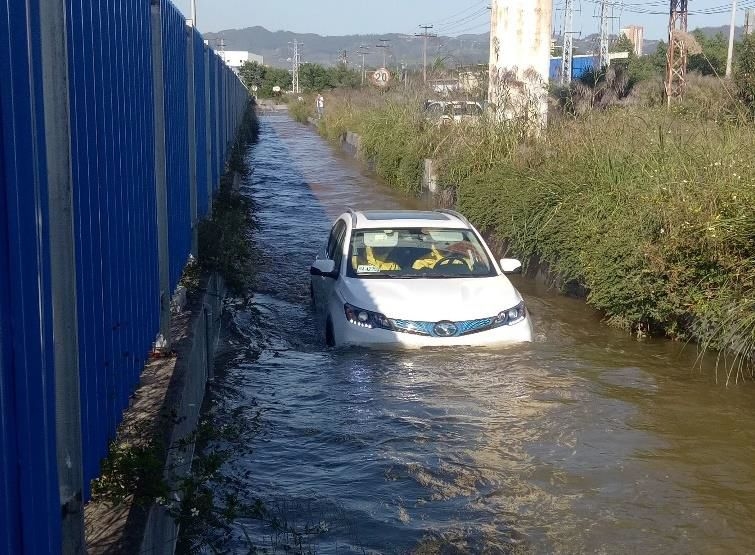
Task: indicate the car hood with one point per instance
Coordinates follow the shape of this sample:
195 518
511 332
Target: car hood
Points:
432 300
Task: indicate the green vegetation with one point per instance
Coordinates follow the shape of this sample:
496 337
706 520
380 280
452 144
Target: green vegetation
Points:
224 245
264 78
312 78
650 211
302 110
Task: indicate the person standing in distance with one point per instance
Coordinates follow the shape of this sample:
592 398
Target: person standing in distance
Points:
320 105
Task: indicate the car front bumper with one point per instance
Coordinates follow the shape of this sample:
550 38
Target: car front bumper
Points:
348 334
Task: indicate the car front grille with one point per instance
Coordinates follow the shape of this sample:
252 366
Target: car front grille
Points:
465 327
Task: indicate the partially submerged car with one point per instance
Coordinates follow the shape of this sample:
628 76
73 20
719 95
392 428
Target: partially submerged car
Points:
414 278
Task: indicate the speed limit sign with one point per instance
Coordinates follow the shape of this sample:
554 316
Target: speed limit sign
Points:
381 77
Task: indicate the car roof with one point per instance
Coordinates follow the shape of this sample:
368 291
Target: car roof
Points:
380 219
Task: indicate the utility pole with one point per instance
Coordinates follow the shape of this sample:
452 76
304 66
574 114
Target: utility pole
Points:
604 57
520 60
568 45
295 68
344 59
221 43
676 57
384 44
730 55
749 21
194 12
363 51
426 35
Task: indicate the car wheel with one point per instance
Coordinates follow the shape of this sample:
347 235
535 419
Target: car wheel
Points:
330 339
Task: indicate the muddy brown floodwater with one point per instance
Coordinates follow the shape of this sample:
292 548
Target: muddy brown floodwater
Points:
586 441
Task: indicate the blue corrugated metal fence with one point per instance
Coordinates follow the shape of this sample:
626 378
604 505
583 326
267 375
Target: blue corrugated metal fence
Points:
112 140
581 65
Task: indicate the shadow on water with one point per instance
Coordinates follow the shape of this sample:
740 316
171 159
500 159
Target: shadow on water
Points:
586 440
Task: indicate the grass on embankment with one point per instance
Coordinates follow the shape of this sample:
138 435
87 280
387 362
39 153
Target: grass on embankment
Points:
653 212
224 245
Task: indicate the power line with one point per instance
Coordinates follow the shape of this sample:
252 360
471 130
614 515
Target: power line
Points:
384 44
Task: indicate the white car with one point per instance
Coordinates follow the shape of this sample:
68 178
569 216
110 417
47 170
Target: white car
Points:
415 279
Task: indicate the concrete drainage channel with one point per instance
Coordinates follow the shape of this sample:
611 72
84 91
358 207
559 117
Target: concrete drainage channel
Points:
351 144
167 404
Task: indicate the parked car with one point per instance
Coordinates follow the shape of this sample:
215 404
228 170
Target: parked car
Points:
414 278
453 111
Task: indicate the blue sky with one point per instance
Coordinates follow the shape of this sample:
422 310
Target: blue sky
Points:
450 17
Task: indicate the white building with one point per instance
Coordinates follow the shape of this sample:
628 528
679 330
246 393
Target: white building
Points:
636 35
236 58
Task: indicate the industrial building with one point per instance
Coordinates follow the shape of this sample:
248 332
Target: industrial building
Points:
236 58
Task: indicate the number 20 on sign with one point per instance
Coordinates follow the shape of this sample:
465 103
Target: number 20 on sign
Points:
381 77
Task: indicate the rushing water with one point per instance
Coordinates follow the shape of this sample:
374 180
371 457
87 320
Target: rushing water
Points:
587 440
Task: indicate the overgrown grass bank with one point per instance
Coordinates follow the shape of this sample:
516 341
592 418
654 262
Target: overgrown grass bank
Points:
224 245
651 211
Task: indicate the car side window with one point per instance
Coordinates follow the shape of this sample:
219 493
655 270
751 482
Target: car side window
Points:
338 255
336 233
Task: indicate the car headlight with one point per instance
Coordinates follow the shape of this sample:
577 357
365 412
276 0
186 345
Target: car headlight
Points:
365 318
511 316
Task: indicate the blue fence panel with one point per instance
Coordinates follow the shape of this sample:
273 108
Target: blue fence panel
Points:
176 139
28 380
200 124
10 522
115 229
110 75
214 119
580 66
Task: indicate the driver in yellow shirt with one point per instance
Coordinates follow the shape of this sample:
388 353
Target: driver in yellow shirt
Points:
429 260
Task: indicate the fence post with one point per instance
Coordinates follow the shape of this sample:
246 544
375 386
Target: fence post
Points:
192 142
220 158
161 189
208 127
53 40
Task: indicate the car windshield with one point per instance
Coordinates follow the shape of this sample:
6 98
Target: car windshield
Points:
417 253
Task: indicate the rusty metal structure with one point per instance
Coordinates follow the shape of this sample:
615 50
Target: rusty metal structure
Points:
676 56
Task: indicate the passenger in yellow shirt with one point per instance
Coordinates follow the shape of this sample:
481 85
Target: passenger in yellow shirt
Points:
379 258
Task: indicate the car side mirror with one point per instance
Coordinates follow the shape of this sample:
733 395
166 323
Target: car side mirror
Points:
511 266
324 268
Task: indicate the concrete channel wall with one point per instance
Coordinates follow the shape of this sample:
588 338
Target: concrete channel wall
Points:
351 143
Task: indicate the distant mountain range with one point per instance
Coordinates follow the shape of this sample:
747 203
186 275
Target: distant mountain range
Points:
277 47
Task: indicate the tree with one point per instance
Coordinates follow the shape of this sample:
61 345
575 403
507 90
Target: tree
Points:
712 60
314 77
623 44
264 78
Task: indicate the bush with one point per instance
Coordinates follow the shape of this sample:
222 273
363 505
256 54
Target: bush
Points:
651 213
